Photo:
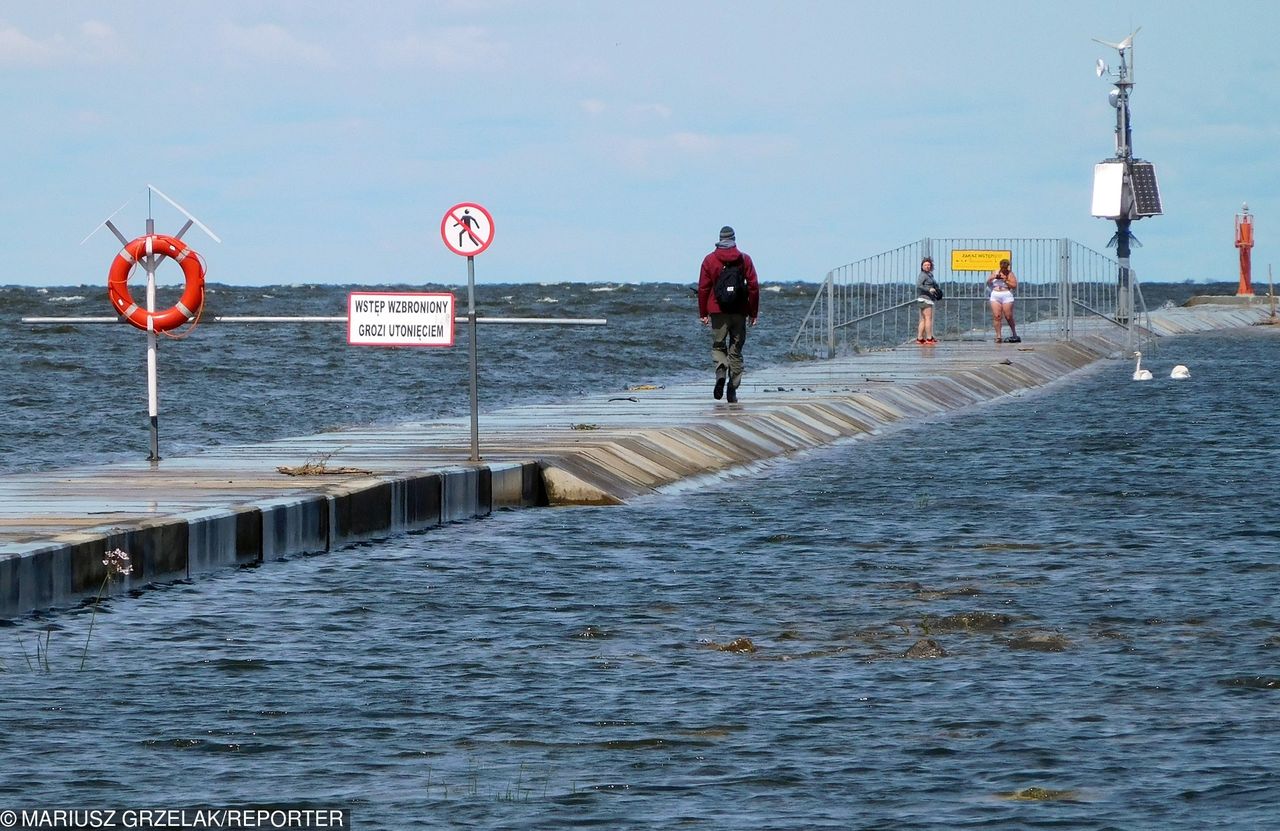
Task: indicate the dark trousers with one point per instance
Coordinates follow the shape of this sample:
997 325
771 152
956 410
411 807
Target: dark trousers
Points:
728 334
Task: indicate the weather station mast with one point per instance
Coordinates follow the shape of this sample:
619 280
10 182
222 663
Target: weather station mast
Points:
1124 187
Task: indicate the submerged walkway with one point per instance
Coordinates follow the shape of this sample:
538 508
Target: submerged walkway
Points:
231 505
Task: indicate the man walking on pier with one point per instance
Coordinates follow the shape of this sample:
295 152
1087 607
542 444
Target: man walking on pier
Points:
728 300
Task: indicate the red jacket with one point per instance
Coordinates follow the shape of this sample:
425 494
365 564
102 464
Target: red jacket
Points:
712 265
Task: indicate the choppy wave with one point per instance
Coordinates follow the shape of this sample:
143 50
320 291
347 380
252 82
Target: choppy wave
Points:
1063 621
907 632
221 384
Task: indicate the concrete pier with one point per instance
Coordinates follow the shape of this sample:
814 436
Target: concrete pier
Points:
183 517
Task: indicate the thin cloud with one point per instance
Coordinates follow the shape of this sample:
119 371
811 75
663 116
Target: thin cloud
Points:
100 43
269 43
92 42
663 154
693 143
1224 134
20 49
660 110
657 155
455 48
634 112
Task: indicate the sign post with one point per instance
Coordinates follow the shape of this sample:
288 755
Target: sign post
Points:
372 318
149 263
472 226
153 393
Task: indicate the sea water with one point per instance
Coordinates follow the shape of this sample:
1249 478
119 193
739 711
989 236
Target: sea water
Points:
1095 567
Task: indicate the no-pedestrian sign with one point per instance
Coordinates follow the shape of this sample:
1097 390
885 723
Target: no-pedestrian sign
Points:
467 229
379 318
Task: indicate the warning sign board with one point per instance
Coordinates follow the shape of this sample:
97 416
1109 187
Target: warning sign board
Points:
467 229
977 259
376 318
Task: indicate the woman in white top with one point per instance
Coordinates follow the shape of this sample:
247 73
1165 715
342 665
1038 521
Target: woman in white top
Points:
1002 282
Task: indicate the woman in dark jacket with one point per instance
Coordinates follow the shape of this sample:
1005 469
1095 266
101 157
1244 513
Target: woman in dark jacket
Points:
927 293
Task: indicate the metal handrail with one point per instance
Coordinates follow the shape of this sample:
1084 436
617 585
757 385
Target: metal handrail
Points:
867 303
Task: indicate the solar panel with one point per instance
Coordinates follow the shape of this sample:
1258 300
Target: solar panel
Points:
1146 193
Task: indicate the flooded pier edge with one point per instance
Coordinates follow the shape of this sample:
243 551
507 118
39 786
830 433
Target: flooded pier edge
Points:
175 524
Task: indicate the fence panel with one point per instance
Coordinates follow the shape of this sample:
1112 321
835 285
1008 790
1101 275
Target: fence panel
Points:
1063 288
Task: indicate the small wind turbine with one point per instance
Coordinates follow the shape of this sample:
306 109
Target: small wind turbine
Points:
1122 45
1126 72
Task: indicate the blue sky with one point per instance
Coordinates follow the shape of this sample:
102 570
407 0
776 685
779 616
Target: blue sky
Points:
324 141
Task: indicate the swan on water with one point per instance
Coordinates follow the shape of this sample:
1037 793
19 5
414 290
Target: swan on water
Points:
1180 372
1140 374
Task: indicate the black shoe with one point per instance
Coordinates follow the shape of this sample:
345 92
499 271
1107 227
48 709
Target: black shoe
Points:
1014 339
732 397
718 392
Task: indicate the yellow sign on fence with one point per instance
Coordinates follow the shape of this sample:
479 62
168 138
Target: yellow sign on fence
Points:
970 259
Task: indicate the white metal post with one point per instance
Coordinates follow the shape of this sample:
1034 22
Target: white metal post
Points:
831 314
153 396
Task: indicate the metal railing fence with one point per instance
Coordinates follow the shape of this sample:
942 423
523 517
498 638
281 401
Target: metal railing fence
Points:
1064 289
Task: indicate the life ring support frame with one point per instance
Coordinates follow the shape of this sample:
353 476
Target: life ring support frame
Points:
187 307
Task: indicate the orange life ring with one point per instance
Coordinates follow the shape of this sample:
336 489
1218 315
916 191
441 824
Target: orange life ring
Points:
164 246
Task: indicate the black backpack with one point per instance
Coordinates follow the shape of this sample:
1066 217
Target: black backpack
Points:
731 287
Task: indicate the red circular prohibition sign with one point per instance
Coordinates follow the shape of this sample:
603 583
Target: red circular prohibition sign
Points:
455 223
